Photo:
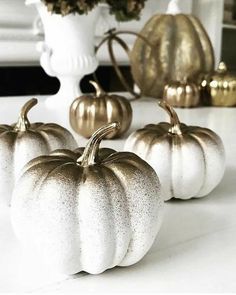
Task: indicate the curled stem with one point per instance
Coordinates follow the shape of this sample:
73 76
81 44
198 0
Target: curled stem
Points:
23 122
91 150
98 88
174 120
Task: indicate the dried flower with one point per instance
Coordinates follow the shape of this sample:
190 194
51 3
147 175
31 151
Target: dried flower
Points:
124 10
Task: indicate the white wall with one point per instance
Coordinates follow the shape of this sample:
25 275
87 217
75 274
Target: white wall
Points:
210 12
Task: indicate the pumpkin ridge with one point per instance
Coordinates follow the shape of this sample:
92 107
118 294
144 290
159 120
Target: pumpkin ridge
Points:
214 138
176 142
51 173
35 164
6 128
40 180
46 139
207 132
198 41
139 135
41 125
124 185
155 140
18 140
151 86
139 169
208 51
200 144
145 48
172 49
67 154
6 132
114 223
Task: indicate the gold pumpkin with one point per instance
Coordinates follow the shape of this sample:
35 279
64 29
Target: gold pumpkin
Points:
90 112
23 141
181 48
89 210
182 94
221 86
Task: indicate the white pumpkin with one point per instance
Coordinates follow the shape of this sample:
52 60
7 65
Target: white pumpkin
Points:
87 211
21 142
189 160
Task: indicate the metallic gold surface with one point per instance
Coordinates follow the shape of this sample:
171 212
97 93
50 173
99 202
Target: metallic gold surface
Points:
182 94
222 87
90 112
182 49
91 209
189 160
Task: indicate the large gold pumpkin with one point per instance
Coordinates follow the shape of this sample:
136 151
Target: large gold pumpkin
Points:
88 210
90 112
23 141
221 86
180 48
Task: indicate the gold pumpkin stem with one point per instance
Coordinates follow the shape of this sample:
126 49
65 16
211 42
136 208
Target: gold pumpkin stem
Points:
23 122
98 88
92 147
222 68
174 120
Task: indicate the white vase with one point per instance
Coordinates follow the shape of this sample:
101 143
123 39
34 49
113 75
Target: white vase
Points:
67 51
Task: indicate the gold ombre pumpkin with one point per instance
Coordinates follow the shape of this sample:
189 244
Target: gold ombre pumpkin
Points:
23 141
90 112
183 94
189 160
87 210
180 48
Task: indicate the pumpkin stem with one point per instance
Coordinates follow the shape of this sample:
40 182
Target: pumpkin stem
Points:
91 150
174 120
23 122
173 7
98 88
222 68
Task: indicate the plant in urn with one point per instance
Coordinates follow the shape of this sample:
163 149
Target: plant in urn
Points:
68 49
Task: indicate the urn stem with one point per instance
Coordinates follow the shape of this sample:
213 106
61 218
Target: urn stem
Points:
98 88
23 122
92 147
174 120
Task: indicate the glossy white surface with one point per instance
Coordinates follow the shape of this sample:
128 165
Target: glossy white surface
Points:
196 248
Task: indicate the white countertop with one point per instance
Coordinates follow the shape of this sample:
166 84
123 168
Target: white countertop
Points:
196 248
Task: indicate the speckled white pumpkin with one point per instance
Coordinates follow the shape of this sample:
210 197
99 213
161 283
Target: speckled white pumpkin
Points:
21 142
87 210
189 160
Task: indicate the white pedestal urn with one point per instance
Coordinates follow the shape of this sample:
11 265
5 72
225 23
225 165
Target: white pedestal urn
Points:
67 51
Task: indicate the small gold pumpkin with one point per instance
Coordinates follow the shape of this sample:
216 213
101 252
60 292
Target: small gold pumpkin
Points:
183 94
90 210
90 112
221 86
181 48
